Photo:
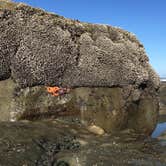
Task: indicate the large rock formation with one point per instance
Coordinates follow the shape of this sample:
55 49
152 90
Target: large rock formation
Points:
40 48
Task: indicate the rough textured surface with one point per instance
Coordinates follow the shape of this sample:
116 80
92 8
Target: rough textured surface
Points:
44 144
42 48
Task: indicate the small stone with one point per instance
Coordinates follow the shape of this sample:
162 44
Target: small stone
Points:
96 130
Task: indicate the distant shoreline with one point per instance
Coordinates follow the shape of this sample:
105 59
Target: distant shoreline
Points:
163 79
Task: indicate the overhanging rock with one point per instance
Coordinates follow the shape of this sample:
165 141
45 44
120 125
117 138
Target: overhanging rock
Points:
40 48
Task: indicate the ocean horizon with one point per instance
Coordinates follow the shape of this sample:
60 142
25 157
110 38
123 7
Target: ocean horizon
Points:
163 79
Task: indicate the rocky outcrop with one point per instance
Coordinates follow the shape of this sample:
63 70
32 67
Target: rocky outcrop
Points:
112 82
42 48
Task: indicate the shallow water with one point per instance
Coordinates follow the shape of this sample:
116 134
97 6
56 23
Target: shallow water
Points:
161 126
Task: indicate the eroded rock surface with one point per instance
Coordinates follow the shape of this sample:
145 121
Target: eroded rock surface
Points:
107 108
42 48
112 83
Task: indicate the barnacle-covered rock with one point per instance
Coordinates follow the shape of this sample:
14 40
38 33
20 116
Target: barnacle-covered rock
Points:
41 48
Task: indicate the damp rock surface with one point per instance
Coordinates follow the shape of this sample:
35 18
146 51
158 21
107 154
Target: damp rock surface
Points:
61 142
104 107
163 98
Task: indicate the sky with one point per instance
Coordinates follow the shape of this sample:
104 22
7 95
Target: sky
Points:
145 18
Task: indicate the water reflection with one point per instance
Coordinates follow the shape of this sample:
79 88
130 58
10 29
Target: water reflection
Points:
161 127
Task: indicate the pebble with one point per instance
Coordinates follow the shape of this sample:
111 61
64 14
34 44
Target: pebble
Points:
96 130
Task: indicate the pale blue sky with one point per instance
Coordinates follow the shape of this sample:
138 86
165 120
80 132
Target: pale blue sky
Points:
145 18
